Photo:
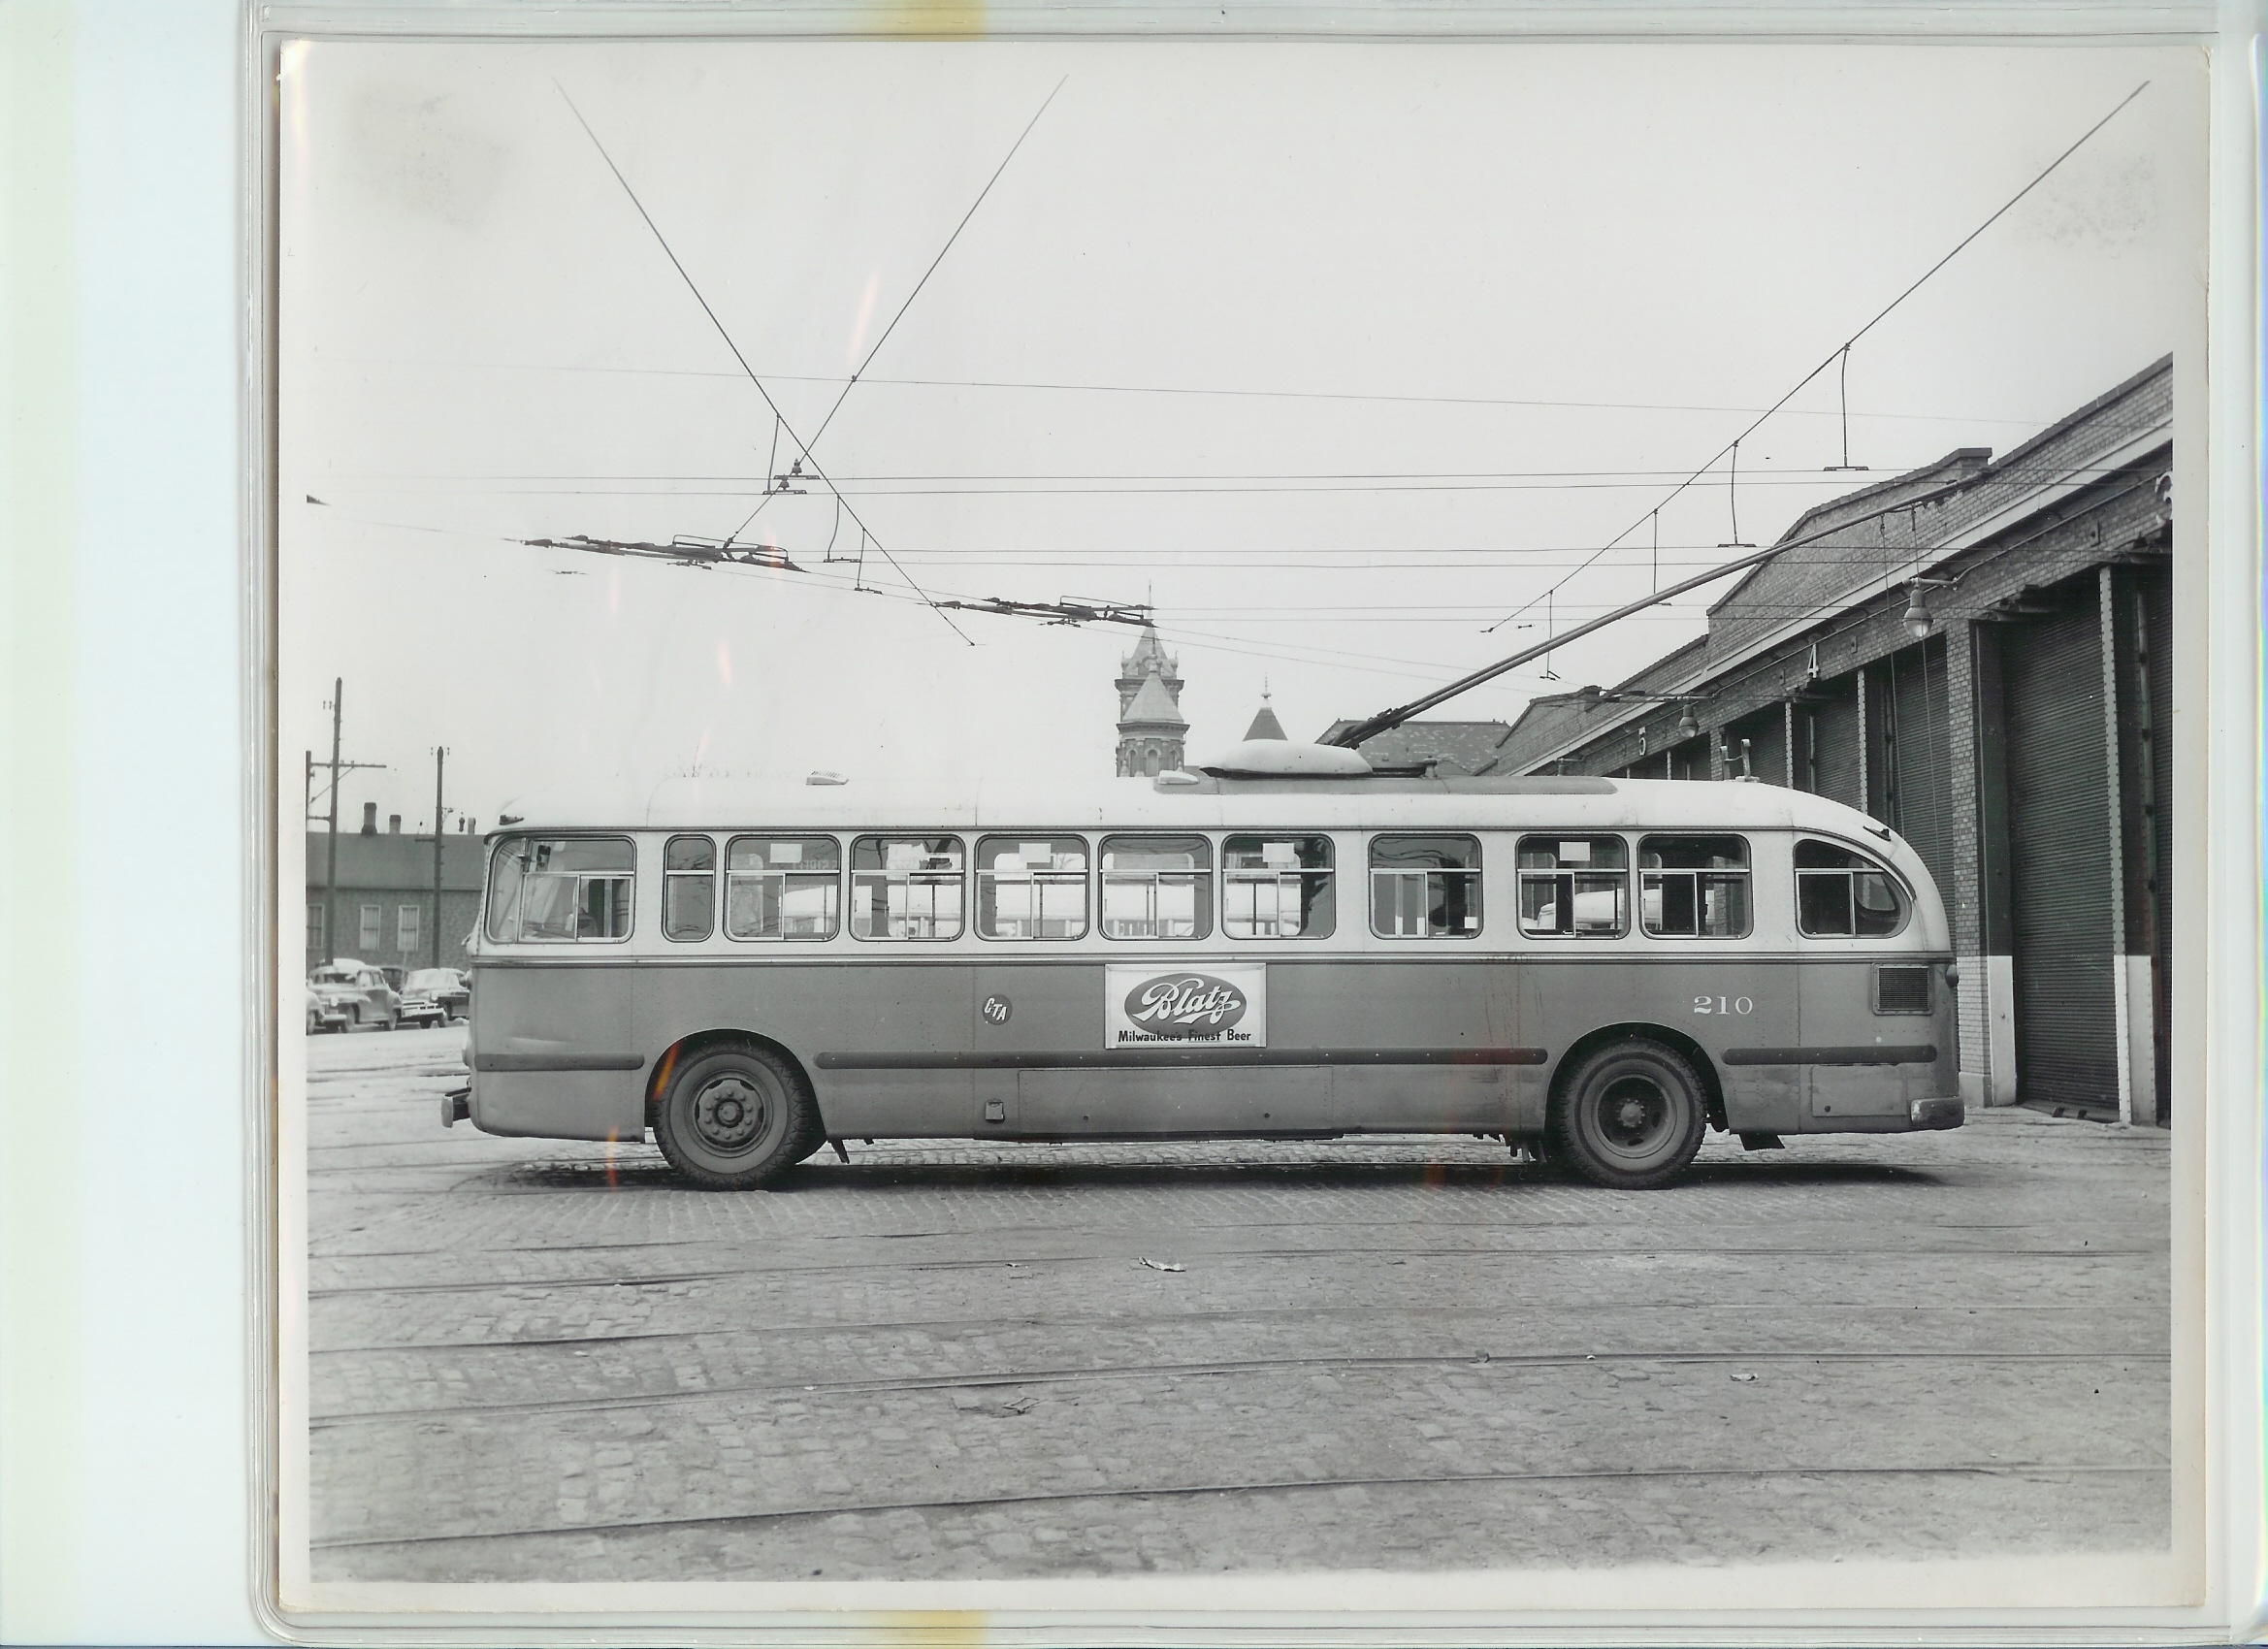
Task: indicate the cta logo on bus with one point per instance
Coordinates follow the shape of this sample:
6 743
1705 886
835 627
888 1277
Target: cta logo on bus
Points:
1186 1005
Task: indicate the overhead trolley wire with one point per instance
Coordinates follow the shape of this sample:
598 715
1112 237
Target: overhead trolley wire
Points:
1839 352
690 285
852 383
1205 390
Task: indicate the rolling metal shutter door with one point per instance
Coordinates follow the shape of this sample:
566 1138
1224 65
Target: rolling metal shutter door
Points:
2157 598
1924 816
2060 867
1835 726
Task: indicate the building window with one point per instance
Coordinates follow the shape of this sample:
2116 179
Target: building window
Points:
315 929
1276 887
907 887
1693 887
560 889
689 888
1843 895
373 920
1032 887
783 887
1157 886
1425 887
405 928
1575 887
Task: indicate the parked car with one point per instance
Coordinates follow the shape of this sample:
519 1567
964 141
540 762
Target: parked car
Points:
324 1015
434 996
357 992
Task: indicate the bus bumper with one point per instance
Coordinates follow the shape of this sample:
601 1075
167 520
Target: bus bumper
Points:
1937 1111
457 1106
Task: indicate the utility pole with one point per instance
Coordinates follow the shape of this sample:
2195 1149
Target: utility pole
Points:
331 865
439 755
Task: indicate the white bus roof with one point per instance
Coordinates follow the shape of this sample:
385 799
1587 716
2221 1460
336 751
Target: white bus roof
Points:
1567 802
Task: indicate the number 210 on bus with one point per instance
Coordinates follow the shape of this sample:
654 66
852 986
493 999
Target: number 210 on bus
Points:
1598 971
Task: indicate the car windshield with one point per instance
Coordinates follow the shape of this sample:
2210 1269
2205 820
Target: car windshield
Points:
431 979
331 975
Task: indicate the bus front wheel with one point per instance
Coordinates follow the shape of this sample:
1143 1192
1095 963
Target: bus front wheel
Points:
1629 1115
733 1116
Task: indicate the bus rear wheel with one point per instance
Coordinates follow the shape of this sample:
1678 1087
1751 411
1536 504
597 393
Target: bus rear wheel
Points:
733 1117
1629 1115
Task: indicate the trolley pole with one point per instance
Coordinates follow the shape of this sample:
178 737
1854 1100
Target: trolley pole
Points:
439 755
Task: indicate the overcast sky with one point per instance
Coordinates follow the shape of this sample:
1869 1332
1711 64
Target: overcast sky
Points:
1337 353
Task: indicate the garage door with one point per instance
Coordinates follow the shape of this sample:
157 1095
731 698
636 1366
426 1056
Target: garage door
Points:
2060 859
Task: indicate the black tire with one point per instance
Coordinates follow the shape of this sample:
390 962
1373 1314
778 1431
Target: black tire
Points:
733 1116
1629 1115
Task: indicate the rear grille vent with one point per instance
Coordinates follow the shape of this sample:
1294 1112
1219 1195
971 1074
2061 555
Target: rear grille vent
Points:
1901 990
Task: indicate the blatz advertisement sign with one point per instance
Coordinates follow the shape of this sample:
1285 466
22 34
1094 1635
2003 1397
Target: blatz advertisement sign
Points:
1215 1005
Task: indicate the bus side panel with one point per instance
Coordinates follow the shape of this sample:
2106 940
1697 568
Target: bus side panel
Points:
1072 1103
815 1008
1838 1011
1364 1006
551 1026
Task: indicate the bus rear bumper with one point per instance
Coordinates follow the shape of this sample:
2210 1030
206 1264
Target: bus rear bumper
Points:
1937 1111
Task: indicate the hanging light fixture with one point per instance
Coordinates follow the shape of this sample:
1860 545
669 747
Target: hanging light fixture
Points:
1687 727
1918 620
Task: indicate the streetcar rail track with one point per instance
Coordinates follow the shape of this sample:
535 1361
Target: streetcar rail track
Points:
459 1286
1189 1491
1471 1361
1147 1319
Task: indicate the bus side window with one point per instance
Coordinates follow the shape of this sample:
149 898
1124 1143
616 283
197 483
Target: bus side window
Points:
782 887
689 888
906 888
1693 887
1425 887
1031 887
560 889
1276 887
1844 894
1577 885
1157 886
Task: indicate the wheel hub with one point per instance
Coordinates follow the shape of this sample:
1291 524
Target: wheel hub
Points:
1633 1114
729 1113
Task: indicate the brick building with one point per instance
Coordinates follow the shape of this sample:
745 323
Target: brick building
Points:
386 895
1978 653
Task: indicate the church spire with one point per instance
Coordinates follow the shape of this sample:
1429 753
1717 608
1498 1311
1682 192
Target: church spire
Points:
1150 728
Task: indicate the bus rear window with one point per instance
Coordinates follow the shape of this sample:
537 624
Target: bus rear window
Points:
1157 887
1032 887
783 887
1425 887
1276 887
906 888
1844 894
560 889
1693 887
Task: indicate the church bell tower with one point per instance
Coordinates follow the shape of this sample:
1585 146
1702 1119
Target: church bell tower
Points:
1150 728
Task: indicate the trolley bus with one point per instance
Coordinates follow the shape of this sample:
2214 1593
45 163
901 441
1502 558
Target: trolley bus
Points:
1596 969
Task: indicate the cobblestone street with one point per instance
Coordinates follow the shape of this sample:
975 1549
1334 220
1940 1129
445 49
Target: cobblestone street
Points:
541 1361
